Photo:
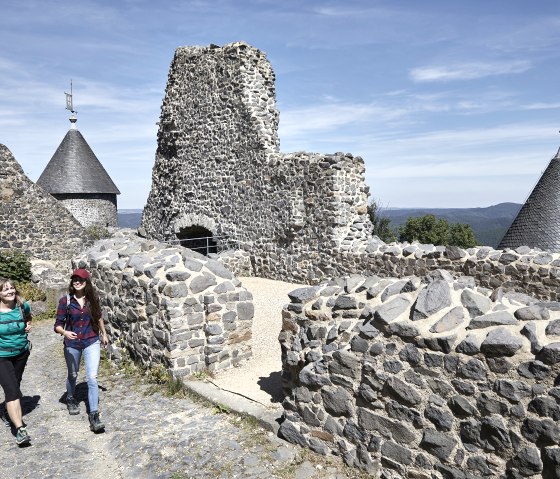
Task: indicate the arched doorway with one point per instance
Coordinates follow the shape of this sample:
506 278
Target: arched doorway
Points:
198 239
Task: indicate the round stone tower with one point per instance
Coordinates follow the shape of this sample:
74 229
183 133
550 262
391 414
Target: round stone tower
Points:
76 178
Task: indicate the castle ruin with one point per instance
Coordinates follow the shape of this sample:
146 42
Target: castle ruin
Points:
219 173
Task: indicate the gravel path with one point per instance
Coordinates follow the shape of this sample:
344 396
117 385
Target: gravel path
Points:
147 435
259 377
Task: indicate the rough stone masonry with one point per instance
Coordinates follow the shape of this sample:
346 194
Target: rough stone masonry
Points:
218 170
170 305
424 378
31 220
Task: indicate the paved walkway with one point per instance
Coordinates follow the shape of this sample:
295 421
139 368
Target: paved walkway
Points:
147 436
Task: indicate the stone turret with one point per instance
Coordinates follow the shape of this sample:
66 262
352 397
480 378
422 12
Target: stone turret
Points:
76 178
537 224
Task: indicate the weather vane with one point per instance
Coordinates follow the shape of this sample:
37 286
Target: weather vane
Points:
69 101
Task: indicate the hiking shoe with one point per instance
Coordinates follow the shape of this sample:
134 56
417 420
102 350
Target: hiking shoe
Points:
5 418
72 406
22 438
95 423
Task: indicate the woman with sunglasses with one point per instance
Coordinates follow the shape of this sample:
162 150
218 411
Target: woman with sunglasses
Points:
79 320
15 323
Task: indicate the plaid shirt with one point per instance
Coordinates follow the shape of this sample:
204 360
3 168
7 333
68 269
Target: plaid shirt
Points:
79 321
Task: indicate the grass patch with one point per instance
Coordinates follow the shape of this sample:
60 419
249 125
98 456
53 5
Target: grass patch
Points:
219 408
202 375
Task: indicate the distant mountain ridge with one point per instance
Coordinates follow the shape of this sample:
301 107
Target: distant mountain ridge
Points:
489 224
129 218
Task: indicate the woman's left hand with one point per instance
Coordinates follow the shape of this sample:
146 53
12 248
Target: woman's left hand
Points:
104 339
27 327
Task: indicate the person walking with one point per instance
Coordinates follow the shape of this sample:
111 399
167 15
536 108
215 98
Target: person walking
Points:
79 320
15 323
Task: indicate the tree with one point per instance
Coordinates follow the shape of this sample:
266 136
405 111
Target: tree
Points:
425 229
381 224
428 229
462 234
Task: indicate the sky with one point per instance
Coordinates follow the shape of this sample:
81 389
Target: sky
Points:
451 104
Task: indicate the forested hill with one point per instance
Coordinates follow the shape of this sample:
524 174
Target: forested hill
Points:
489 224
129 218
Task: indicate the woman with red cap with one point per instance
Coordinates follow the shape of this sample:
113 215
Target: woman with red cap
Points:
79 320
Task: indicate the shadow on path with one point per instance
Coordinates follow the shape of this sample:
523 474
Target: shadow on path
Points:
272 385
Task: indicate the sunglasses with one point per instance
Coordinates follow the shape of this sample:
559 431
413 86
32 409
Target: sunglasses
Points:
78 280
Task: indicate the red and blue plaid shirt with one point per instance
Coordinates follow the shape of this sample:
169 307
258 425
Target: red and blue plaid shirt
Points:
78 320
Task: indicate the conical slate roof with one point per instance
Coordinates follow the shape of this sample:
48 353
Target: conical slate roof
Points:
537 224
74 168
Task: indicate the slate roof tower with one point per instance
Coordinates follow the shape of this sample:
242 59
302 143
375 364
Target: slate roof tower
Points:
537 224
78 180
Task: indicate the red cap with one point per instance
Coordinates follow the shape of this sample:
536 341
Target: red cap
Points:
81 273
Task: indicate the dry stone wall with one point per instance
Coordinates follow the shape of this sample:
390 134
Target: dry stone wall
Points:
170 305
424 378
218 167
32 220
532 271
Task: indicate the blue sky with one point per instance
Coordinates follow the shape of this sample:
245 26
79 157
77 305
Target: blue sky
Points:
450 103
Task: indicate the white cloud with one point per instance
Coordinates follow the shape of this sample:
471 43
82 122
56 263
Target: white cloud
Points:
541 106
468 71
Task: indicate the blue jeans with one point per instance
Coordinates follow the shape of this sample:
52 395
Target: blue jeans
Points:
92 355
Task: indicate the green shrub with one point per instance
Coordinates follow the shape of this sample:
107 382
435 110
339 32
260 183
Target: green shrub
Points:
30 292
98 232
15 265
48 315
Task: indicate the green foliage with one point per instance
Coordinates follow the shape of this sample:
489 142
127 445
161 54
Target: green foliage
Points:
220 408
428 229
164 381
29 292
158 374
15 265
425 229
48 315
381 224
461 234
98 232
202 375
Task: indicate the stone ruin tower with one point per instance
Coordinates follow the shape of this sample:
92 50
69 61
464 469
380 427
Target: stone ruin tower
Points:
219 174
536 225
76 178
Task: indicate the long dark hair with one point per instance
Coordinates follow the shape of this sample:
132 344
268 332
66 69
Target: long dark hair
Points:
91 301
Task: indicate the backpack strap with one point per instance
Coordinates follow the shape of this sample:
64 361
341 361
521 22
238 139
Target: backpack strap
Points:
66 323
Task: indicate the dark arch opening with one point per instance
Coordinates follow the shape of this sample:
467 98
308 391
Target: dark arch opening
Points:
198 239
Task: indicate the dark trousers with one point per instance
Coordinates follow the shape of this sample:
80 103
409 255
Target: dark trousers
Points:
11 372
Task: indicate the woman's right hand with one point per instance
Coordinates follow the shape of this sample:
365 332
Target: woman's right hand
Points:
69 334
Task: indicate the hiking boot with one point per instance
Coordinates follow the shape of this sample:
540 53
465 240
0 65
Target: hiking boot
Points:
95 423
5 418
22 438
72 406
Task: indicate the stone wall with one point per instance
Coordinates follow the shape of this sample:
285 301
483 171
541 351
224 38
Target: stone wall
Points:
218 167
170 305
95 210
526 270
32 220
424 378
